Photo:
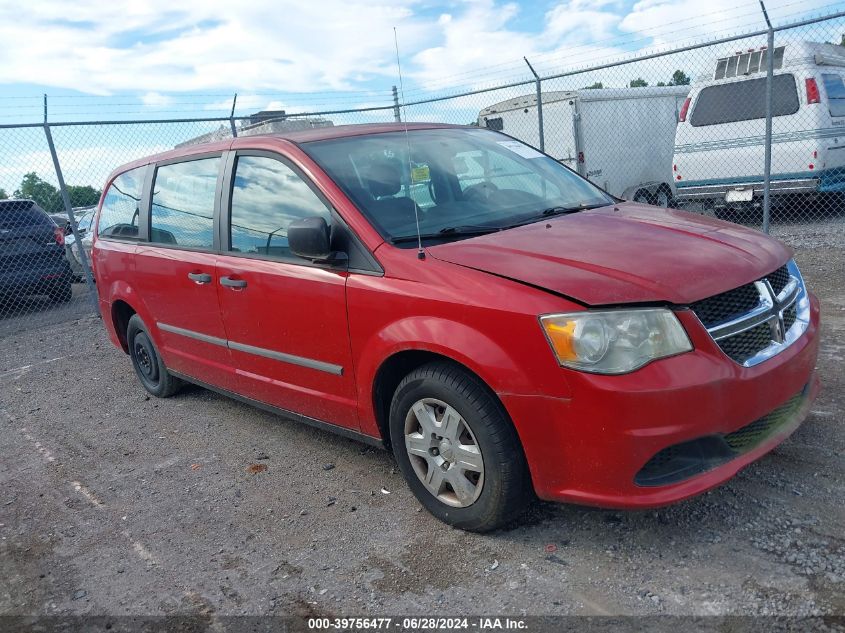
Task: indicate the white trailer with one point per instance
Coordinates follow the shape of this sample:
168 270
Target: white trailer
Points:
620 139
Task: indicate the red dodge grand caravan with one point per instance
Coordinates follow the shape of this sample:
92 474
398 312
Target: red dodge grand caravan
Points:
506 327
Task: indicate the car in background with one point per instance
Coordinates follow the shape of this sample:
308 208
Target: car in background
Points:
84 220
720 139
63 221
32 254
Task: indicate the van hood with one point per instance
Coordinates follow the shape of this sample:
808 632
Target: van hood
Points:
627 253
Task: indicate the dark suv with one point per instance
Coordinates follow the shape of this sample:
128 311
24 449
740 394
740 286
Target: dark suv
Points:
32 254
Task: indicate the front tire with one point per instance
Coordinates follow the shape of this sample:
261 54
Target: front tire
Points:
148 365
457 448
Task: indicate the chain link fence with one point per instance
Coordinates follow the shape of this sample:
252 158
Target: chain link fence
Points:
749 129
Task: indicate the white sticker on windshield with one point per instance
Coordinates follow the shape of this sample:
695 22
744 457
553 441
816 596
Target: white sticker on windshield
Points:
518 148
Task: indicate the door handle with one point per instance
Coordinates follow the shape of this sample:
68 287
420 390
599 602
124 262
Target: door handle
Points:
232 283
200 278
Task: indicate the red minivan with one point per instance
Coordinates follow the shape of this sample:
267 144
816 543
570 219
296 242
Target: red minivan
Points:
505 326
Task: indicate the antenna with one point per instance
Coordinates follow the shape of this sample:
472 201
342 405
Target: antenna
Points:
420 251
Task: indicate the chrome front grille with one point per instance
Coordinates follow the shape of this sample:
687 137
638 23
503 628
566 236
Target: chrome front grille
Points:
779 279
725 306
758 320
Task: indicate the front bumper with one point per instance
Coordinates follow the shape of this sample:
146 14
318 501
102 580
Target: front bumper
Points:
589 449
719 191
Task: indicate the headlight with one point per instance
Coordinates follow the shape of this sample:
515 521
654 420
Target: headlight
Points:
614 341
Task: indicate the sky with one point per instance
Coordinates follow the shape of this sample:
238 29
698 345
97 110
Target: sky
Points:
156 59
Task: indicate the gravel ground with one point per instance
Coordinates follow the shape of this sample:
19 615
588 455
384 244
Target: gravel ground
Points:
115 503
36 311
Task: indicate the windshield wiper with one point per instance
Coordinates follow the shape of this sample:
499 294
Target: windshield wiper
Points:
469 230
558 210
575 209
447 233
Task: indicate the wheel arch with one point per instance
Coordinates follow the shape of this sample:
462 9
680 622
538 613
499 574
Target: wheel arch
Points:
121 312
393 370
388 355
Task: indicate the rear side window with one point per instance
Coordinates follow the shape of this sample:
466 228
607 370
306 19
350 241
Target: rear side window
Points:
182 209
744 101
835 90
267 196
19 213
121 206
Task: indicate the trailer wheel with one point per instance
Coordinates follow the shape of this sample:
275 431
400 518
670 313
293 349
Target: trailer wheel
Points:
726 214
664 198
643 197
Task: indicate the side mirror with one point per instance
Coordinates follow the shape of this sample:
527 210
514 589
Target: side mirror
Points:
309 238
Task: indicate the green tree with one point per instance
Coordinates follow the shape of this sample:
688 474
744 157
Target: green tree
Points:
596 85
49 198
43 193
842 41
3 194
639 82
679 78
661 83
83 195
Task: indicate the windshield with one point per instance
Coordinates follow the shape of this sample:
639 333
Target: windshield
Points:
458 182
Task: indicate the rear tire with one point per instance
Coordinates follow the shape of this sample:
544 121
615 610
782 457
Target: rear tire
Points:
457 448
148 365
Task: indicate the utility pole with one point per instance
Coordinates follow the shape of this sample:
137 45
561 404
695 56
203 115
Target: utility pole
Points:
396 116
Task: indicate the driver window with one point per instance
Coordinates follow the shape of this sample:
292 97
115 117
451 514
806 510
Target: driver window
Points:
267 196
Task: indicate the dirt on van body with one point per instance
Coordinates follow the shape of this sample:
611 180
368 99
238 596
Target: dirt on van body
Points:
115 503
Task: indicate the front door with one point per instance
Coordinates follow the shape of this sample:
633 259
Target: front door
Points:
176 272
285 317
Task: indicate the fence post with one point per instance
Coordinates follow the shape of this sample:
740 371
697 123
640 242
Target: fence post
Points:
232 117
83 256
539 105
396 116
767 166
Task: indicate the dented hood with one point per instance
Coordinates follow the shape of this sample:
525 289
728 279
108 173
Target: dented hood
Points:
627 253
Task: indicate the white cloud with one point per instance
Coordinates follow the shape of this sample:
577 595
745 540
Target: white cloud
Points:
160 47
479 48
156 99
164 46
672 22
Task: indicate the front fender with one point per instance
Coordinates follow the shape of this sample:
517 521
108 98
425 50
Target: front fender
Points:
468 346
